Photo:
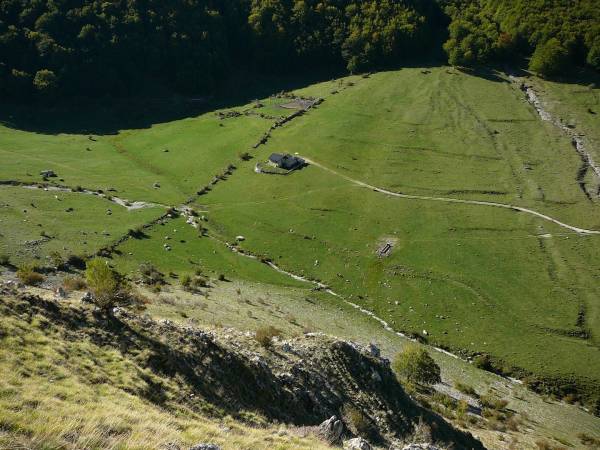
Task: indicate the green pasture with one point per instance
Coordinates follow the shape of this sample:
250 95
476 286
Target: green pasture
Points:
35 223
475 279
181 156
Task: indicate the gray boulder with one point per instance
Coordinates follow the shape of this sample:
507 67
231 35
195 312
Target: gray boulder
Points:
205 446
331 430
357 444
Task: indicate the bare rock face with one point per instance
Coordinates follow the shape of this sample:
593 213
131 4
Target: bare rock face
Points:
331 430
357 444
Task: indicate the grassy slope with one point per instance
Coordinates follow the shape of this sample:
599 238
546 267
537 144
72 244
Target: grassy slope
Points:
73 393
250 305
500 287
502 275
28 212
133 160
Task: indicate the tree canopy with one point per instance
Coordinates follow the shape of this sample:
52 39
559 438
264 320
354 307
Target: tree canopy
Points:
67 48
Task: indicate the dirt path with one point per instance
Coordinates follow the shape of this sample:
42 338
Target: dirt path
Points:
129 205
454 200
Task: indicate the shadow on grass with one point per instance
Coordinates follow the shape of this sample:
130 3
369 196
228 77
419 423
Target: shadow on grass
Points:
109 116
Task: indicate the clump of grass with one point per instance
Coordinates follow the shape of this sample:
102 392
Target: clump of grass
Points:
57 260
264 335
194 283
29 274
357 422
150 275
589 441
73 283
466 389
545 445
4 260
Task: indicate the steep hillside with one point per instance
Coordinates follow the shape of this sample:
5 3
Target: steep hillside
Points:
128 372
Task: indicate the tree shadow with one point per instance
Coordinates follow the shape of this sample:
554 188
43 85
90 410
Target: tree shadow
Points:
109 116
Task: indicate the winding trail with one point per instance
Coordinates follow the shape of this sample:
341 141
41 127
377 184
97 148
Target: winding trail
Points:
453 200
323 287
127 204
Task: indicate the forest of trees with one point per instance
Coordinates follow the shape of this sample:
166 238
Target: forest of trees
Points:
95 48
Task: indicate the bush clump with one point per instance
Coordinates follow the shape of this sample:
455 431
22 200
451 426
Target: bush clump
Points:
415 365
4 260
73 283
264 335
150 275
103 283
194 283
29 274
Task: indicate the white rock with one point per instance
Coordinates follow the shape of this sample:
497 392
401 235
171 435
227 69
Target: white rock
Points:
357 444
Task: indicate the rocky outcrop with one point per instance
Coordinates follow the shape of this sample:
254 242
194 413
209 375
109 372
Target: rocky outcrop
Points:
313 378
357 444
331 430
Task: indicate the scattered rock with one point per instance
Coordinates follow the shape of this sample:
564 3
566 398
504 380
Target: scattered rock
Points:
374 350
240 238
48 173
357 444
87 297
204 446
156 185
420 447
331 430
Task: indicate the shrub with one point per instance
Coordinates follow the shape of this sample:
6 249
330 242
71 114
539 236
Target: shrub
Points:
357 422
264 335
193 283
483 362
149 274
56 259
103 283
72 283
415 365
4 260
28 274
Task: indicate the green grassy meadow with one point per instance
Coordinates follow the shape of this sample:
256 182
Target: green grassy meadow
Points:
475 278
470 278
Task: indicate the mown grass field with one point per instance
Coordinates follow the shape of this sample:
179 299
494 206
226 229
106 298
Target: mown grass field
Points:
471 278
